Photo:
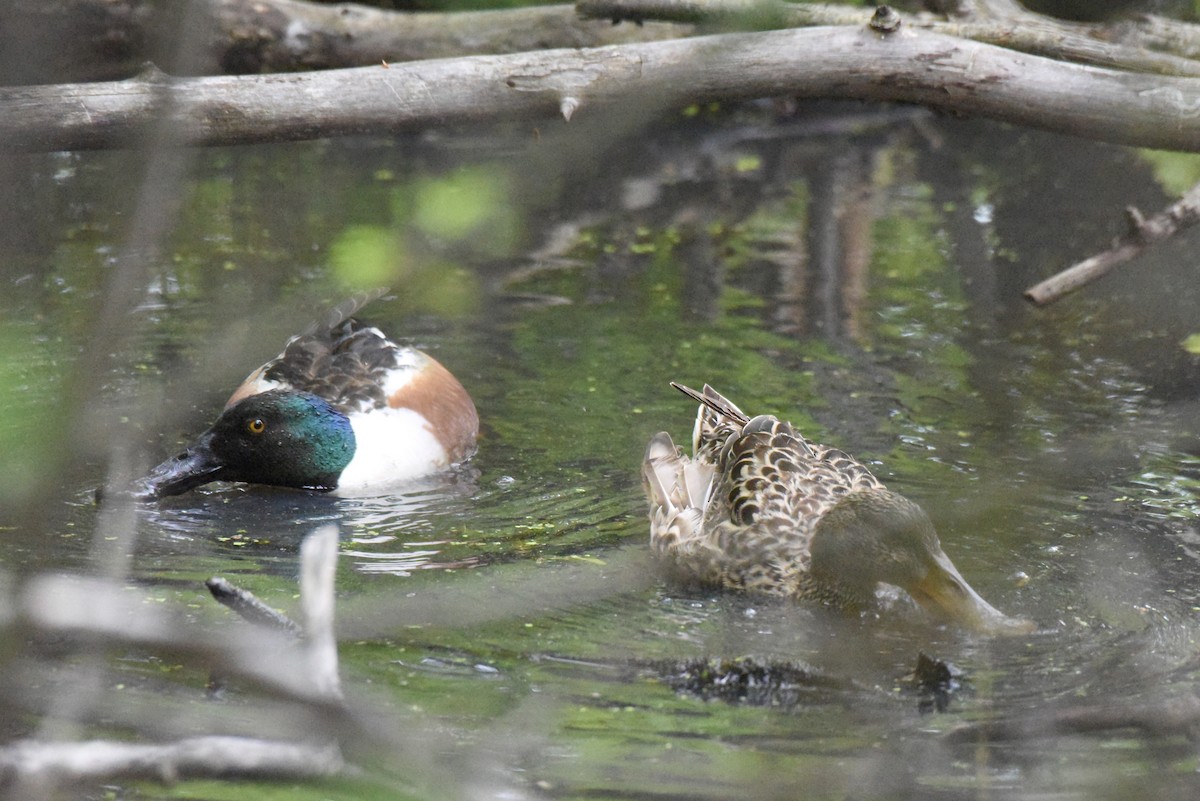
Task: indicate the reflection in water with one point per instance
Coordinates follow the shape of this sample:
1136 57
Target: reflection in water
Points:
404 563
262 520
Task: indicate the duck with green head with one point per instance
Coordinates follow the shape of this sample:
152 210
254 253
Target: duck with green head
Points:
342 409
758 507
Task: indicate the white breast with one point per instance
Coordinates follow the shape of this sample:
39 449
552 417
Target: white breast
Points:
392 446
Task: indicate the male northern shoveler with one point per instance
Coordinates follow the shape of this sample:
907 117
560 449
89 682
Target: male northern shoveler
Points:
341 408
758 507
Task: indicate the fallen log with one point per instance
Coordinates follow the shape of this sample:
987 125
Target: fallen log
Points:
945 73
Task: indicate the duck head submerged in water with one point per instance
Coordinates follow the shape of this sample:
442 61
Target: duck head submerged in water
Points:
342 408
758 507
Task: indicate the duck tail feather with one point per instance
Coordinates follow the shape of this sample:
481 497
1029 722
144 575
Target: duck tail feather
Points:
659 469
344 311
715 401
716 418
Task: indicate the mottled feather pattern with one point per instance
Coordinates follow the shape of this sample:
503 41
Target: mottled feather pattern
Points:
758 507
768 487
346 364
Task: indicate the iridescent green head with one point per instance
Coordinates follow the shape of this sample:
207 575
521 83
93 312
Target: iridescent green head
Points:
281 437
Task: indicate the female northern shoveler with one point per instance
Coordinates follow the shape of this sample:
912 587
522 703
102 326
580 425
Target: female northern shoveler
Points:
758 507
341 408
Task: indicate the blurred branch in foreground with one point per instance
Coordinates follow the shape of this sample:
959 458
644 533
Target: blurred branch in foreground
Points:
30 766
100 614
283 686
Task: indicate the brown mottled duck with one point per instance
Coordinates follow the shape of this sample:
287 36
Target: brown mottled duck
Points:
758 507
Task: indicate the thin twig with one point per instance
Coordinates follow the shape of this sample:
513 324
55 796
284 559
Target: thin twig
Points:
247 605
1143 232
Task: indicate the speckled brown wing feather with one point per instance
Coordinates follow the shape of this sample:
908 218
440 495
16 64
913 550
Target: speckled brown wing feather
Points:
716 421
336 358
346 365
770 487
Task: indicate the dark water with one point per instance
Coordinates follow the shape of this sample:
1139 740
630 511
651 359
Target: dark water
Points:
856 271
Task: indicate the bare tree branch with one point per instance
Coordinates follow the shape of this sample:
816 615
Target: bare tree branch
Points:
1133 47
1160 33
941 72
1143 232
262 36
318 565
27 764
87 40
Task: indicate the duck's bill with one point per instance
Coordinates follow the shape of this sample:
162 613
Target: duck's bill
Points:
945 592
195 466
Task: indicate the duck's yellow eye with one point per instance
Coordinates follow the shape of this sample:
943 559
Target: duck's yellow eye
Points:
255 425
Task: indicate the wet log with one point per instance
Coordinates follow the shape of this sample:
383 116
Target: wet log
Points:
946 73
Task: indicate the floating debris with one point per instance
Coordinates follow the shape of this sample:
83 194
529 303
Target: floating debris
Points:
936 682
751 681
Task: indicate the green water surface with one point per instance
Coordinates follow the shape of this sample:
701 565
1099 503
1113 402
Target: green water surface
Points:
502 631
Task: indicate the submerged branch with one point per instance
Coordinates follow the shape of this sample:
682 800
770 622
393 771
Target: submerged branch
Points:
247 606
940 72
1143 233
1179 716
